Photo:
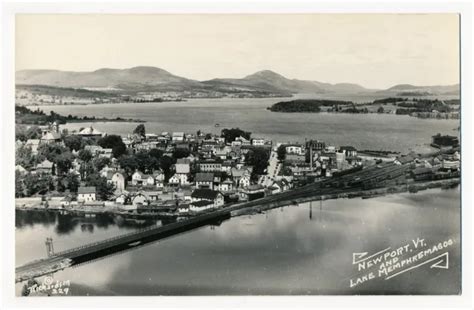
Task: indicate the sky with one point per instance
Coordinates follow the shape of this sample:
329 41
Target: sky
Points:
373 50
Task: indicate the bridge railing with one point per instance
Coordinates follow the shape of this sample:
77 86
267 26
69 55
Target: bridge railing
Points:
108 240
142 231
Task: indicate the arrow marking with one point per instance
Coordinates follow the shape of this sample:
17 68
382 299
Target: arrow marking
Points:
359 255
435 265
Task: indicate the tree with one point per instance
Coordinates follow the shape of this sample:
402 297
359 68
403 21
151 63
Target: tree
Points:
104 189
24 157
230 134
38 184
63 162
281 152
155 153
100 162
258 159
85 155
115 143
87 141
73 142
19 189
180 153
146 163
86 169
165 163
128 163
34 132
140 130
72 181
20 133
380 110
50 152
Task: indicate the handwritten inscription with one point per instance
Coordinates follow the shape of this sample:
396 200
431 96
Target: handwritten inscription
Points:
50 286
389 263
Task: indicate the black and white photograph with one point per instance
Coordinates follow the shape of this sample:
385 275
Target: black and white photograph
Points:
245 154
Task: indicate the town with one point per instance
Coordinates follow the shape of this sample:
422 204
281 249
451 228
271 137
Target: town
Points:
177 173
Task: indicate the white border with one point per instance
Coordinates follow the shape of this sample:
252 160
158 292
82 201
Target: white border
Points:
10 8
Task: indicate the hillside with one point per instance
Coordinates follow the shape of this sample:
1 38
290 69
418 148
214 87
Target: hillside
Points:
411 90
120 79
264 83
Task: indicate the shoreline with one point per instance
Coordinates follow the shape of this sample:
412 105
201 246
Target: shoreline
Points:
364 194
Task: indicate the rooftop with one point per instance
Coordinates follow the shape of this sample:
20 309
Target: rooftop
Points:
204 177
202 203
205 193
86 190
51 136
45 164
90 131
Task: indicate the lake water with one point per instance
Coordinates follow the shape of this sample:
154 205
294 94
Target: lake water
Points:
289 250
368 131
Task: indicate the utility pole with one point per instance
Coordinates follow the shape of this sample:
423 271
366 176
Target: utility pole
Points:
49 247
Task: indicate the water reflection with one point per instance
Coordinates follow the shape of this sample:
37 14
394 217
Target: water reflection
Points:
66 222
300 250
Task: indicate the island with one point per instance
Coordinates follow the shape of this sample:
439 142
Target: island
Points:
416 107
306 105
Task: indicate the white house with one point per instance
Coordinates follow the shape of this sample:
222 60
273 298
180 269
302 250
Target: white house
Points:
349 151
86 194
208 194
45 167
178 136
150 180
90 132
201 205
139 178
139 200
183 166
118 180
20 169
244 181
33 144
159 179
258 142
122 198
174 180
183 208
204 180
294 149
183 178
280 186
226 186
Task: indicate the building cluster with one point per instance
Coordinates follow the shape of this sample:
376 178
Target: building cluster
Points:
214 172
316 159
443 166
25 97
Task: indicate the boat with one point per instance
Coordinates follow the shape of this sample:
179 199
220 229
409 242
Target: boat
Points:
134 243
217 125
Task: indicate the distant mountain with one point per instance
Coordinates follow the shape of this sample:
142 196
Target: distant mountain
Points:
262 83
401 89
126 79
267 81
271 81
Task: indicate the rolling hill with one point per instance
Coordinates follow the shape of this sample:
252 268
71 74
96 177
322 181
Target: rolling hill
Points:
263 83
